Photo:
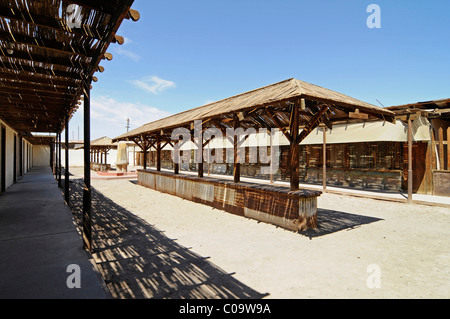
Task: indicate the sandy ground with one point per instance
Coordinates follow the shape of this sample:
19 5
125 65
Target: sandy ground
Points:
364 248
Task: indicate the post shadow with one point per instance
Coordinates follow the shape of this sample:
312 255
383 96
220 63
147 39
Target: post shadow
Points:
138 261
332 221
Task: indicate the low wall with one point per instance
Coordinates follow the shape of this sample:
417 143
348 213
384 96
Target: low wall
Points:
100 167
441 183
292 210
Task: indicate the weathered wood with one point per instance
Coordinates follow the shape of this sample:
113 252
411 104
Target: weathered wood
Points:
358 115
295 211
294 148
236 153
448 148
324 147
108 56
133 15
158 154
441 148
410 161
433 149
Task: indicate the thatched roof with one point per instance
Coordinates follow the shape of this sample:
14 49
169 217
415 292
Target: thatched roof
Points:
47 57
103 141
278 97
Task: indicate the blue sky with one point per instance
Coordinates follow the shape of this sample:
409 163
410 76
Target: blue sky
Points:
183 54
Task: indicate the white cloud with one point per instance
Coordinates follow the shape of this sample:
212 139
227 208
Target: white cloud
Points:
109 117
133 56
153 84
115 112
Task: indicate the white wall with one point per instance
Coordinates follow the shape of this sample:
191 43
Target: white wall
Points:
41 155
9 176
76 157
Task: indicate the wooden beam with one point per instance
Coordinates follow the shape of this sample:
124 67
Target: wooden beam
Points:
51 23
67 61
313 123
294 148
33 78
358 115
25 65
133 15
46 44
279 125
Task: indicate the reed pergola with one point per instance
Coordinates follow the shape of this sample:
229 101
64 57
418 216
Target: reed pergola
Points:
295 107
49 53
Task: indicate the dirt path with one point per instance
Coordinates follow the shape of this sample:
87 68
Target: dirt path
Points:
363 249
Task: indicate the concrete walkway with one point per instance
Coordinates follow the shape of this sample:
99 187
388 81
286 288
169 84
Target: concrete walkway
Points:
38 242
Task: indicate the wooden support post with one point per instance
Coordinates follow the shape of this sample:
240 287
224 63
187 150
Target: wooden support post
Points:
433 150
294 149
441 148
237 159
158 154
448 149
410 169
324 178
272 156
144 151
59 160
87 205
199 133
66 173
176 159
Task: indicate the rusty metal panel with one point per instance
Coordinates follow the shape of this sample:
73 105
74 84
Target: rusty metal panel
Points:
293 210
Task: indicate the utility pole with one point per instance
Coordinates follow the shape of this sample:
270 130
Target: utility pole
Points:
128 125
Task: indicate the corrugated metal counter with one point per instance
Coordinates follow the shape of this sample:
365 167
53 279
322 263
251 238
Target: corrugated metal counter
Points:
292 210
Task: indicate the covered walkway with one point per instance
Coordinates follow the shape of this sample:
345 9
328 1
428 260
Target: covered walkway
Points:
38 241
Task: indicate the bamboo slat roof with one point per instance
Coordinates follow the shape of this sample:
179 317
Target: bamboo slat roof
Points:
254 104
50 50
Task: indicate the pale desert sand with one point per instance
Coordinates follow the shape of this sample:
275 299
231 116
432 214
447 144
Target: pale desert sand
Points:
360 240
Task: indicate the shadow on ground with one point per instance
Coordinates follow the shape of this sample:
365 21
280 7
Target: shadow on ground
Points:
331 221
138 261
